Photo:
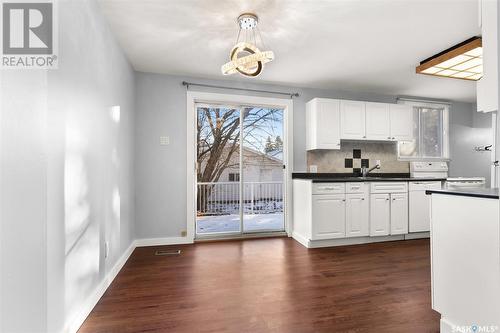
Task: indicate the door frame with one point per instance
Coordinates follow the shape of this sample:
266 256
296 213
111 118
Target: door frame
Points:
193 97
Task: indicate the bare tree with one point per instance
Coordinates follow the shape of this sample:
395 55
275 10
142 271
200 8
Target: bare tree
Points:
218 135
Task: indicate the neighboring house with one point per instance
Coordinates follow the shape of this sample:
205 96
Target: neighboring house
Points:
257 167
262 180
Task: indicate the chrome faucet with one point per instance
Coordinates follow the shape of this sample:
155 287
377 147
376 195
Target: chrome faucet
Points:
365 171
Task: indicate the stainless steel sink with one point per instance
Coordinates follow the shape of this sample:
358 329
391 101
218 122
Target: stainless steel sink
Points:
371 177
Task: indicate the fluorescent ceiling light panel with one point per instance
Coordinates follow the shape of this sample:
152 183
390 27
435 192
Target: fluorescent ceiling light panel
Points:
462 61
462 75
473 62
446 72
432 70
476 70
477 52
475 77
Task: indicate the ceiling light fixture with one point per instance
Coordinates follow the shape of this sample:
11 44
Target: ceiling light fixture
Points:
246 58
462 61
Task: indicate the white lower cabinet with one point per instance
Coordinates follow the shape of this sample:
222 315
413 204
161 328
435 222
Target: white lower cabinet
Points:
380 214
357 215
328 216
399 213
388 214
353 211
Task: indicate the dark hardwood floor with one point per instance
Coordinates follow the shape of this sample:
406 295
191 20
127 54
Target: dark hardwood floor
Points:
271 285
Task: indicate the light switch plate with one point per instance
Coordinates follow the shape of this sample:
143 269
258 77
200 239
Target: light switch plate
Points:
164 140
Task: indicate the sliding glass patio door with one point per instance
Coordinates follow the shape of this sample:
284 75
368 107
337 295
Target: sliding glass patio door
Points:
240 187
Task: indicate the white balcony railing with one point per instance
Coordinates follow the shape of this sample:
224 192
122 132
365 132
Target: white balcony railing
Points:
223 198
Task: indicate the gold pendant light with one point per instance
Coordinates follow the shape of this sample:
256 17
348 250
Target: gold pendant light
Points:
246 58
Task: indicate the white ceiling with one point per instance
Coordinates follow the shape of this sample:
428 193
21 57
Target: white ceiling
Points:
369 46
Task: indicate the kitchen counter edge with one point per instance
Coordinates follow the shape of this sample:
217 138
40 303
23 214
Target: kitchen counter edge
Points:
342 178
487 193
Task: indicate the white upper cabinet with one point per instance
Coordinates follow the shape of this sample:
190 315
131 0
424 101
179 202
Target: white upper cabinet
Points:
323 124
352 120
378 122
487 86
330 120
401 122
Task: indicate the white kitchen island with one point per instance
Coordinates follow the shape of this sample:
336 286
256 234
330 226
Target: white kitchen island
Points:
465 259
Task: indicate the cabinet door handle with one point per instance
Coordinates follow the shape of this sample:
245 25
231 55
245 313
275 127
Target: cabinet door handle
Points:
343 200
388 137
364 136
387 199
393 138
362 198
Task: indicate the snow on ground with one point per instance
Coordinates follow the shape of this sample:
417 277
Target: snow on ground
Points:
231 223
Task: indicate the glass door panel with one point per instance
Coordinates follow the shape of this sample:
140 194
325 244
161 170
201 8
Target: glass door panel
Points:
218 208
262 169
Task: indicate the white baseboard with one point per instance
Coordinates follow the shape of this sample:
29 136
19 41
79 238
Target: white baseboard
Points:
418 235
162 241
301 239
353 241
74 324
90 303
356 240
445 326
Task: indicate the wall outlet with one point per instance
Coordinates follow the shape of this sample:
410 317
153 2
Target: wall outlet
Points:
377 162
164 140
313 168
183 233
106 249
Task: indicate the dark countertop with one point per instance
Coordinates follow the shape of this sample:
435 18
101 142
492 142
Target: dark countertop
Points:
488 193
349 177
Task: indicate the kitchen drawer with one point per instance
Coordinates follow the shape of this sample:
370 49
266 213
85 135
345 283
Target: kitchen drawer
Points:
356 187
388 187
328 188
424 185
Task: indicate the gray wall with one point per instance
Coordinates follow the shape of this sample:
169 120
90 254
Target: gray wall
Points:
66 174
160 171
90 165
469 129
23 196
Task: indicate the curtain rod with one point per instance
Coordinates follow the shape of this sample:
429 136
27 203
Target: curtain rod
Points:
291 94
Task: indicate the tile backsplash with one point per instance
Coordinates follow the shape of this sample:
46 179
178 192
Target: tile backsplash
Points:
354 154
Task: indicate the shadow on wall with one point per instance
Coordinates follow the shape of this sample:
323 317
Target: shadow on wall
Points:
81 229
91 206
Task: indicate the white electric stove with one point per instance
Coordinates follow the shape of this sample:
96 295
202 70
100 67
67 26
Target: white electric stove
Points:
429 170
